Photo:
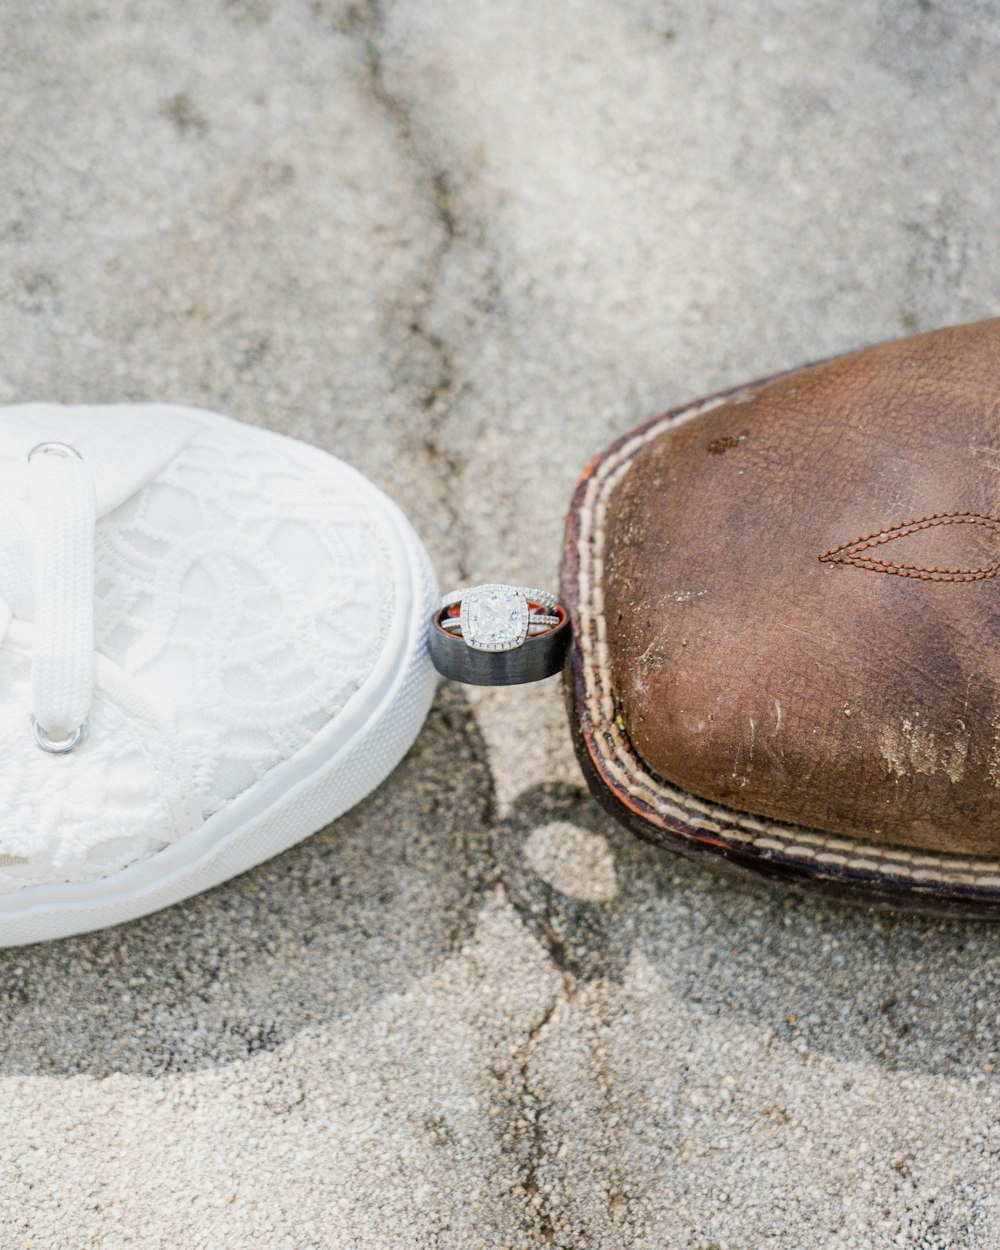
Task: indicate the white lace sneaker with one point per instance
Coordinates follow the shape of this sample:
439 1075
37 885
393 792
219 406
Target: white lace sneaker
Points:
212 643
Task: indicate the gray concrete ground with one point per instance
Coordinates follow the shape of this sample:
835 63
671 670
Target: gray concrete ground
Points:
464 244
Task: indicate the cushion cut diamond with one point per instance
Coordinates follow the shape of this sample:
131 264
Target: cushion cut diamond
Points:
495 618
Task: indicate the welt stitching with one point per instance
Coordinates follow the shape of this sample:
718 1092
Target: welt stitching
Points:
620 757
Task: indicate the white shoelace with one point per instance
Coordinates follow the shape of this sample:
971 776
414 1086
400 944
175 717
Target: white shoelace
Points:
63 515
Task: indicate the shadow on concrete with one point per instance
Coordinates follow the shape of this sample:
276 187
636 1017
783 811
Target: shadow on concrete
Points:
901 992
389 891
355 912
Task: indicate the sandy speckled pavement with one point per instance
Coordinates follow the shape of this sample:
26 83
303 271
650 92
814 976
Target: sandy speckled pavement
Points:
463 245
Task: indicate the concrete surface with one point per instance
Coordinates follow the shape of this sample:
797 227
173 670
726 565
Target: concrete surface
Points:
464 244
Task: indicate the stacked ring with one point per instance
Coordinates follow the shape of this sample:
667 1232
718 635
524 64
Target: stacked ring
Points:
499 635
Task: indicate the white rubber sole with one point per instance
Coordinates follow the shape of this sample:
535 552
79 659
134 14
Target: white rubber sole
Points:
347 759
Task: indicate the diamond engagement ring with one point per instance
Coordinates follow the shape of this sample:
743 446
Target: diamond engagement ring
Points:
499 635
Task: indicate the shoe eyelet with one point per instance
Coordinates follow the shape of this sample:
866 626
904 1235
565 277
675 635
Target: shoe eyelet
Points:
58 746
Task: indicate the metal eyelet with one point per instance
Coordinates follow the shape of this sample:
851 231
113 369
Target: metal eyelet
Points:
58 746
54 449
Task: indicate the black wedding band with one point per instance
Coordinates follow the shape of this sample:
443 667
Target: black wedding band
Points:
539 653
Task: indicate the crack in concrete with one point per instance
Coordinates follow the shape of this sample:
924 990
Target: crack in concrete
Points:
532 1100
436 402
536 1127
618 1202
446 385
552 943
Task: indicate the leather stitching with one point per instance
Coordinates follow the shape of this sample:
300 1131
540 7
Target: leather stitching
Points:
852 553
618 760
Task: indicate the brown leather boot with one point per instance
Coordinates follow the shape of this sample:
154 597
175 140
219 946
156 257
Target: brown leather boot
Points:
786 601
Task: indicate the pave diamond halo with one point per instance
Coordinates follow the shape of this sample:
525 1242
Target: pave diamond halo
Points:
499 635
495 617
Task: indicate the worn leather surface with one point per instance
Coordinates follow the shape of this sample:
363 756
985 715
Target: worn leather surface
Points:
802 594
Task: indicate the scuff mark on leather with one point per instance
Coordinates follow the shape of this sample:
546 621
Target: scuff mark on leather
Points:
912 749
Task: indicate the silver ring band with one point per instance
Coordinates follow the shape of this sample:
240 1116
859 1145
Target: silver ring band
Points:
537 624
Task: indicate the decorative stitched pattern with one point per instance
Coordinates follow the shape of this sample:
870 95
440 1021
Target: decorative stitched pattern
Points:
616 758
852 553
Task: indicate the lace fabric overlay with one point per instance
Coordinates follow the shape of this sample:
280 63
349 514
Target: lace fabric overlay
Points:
124 799
246 591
